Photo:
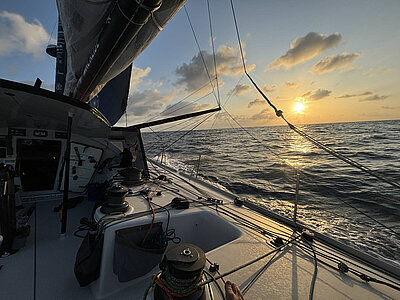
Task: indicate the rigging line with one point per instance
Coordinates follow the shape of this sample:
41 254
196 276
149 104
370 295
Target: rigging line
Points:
213 50
180 101
189 131
336 260
180 129
279 113
360 211
200 52
158 135
319 253
189 121
252 261
178 124
259 273
314 278
259 141
231 93
190 103
341 156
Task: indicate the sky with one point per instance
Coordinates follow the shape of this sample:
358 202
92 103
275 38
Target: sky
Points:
318 61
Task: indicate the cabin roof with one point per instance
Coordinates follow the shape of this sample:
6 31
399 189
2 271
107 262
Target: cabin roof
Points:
29 106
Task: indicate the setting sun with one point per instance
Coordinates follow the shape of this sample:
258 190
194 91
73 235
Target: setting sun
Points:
299 106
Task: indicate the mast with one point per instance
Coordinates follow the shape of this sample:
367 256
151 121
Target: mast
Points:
61 60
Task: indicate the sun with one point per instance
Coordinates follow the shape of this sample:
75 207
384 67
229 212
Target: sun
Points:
299 106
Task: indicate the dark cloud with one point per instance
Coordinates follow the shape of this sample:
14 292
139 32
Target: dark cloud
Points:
193 75
183 107
317 95
334 62
354 95
255 102
375 97
305 48
269 88
147 102
240 89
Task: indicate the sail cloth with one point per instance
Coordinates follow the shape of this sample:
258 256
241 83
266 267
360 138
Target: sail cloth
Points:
112 99
104 37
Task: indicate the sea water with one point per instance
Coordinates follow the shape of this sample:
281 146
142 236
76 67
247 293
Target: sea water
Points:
262 164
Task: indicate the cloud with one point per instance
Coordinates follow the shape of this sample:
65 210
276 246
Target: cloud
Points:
317 95
255 102
305 48
263 115
269 88
18 35
184 107
375 71
334 62
389 107
240 89
137 76
193 75
354 95
291 85
147 102
375 97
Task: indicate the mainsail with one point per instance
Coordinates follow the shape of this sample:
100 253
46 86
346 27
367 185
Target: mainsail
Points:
104 37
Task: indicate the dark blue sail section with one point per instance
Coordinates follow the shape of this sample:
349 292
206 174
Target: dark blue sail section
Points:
112 99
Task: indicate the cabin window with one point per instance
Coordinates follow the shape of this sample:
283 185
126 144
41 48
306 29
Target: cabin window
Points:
37 163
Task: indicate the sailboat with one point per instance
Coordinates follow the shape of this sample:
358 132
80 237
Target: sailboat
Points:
86 215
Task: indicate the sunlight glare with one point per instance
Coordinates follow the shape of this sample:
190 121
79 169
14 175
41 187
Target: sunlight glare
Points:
299 106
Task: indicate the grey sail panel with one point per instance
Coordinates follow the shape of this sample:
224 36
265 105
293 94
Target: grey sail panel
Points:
87 31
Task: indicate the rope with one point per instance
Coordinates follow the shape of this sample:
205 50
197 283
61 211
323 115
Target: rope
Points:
200 52
261 230
250 262
320 145
213 50
189 131
180 101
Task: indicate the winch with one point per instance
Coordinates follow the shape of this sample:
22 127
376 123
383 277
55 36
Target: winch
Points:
181 272
115 202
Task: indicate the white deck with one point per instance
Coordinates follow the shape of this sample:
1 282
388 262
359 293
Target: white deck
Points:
287 277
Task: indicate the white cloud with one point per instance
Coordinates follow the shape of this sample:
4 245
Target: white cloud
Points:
334 62
305 48
193 75
18 35
137 76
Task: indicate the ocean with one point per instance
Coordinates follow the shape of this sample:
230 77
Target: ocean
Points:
261 164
